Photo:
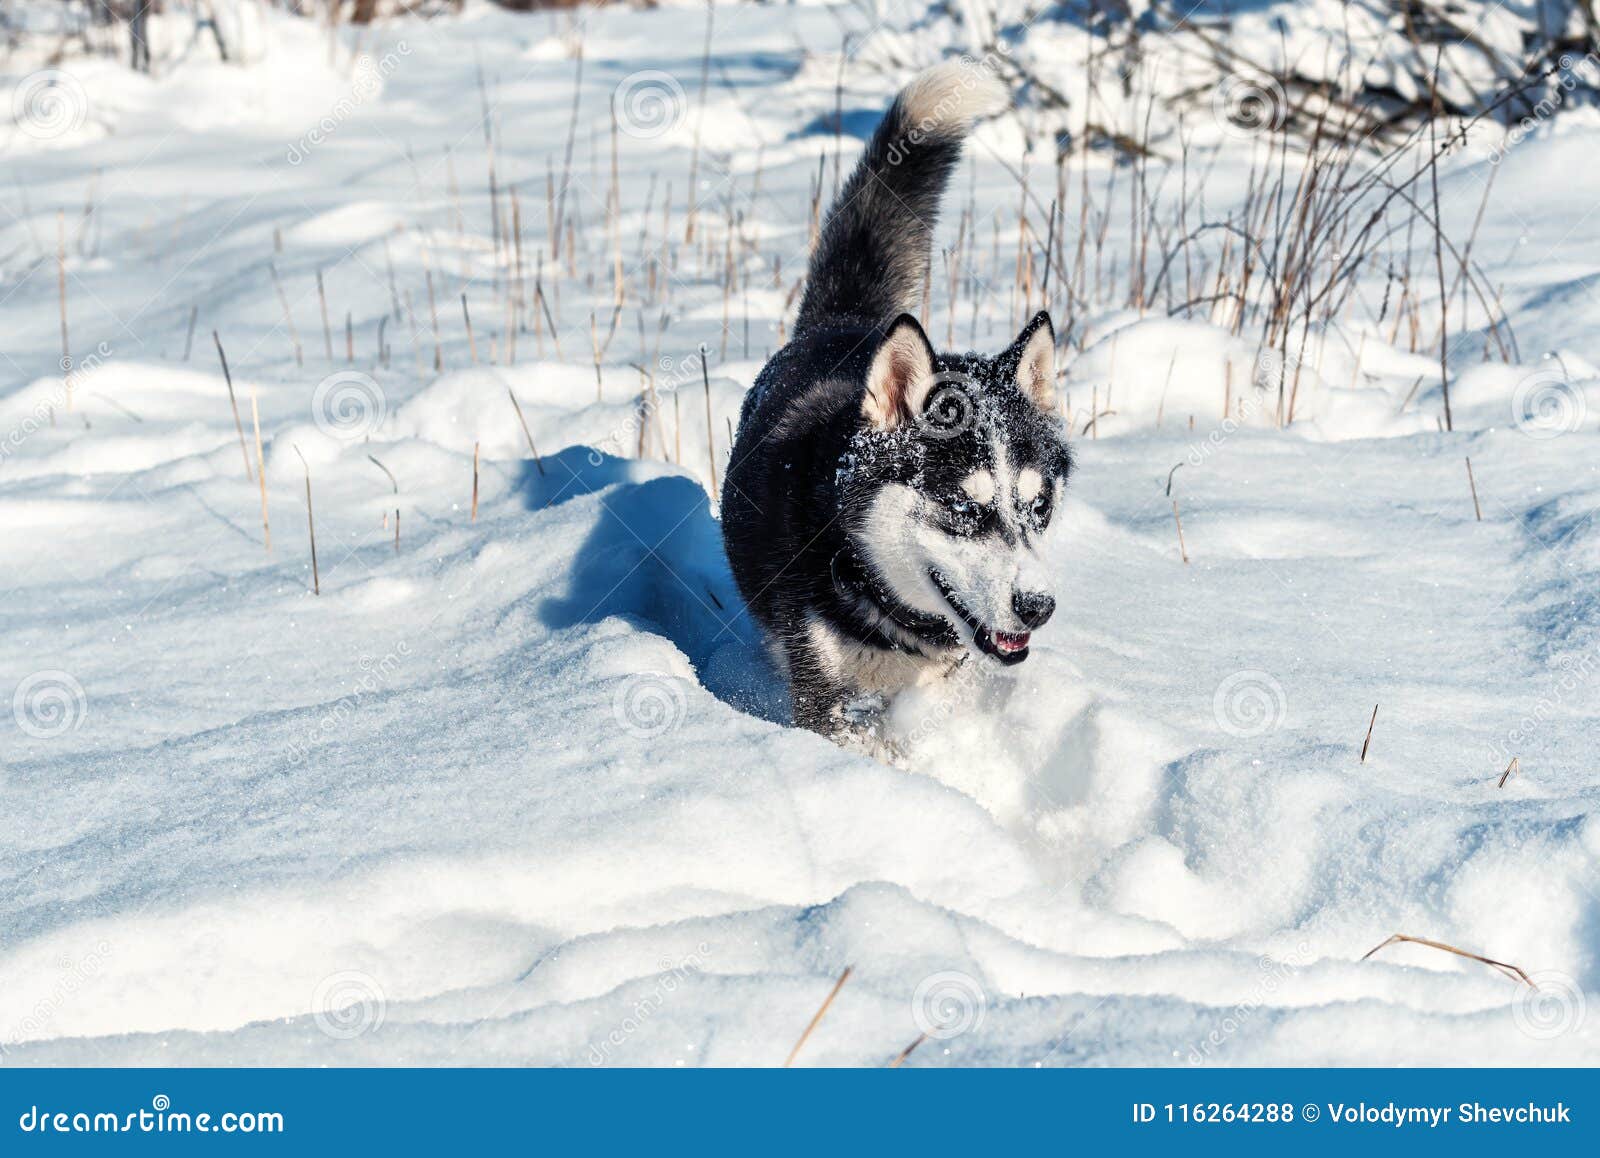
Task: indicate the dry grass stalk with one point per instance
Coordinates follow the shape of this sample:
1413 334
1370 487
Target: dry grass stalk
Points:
394 292
288 317
544 308
233 401
1365 744
559 200
433 311
261 468
188 341
900 1058
817 1017
1510 971
61 289
1438 243
694 152
1183 551
614 214
311 523
474 482
327 330
643 411
1161 406
1511 770
711 453
466 316
395 486
509 349
1473 483
526 433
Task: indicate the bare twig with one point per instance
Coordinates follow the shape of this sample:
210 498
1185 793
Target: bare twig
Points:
817 1017
1510 971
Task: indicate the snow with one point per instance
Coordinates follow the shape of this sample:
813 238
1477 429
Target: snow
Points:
518 790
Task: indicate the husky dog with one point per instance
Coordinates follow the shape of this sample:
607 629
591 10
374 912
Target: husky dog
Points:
884 502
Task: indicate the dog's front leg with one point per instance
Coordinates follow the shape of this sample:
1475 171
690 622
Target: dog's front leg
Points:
816 697
848 716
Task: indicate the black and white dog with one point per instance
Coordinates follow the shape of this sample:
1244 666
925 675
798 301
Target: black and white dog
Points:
884 502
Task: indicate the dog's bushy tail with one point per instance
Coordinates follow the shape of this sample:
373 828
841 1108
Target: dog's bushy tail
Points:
874 251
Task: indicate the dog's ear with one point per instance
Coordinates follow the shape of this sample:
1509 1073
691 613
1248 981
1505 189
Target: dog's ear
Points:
900 377
1035 352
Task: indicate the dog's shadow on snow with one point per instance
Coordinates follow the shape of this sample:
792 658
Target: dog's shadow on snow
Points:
654 556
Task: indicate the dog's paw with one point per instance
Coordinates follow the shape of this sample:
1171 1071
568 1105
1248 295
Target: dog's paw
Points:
862 711
859 726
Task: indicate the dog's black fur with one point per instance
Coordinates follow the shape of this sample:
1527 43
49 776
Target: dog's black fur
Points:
858 405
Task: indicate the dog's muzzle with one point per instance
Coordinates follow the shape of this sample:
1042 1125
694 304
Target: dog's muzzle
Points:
1009 647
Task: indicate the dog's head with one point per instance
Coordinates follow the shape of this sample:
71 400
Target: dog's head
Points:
954 477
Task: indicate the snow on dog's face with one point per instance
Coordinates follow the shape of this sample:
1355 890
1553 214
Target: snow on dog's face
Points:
954 478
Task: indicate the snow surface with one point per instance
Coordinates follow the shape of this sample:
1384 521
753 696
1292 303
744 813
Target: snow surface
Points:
518 790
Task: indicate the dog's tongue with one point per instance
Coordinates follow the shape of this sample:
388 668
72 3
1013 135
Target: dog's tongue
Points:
1006 641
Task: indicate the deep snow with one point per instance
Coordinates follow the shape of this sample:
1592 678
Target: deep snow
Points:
517 791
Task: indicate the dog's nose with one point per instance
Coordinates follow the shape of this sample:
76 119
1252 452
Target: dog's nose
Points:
1034 608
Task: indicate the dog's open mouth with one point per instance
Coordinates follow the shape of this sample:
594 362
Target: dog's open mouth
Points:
1006 646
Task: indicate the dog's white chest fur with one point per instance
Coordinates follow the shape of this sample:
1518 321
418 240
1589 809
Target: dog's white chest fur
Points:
867 668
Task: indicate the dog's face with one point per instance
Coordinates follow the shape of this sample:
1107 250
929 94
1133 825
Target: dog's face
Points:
955 477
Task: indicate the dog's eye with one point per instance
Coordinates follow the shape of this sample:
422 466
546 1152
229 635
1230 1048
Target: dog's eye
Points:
1040 505
966 508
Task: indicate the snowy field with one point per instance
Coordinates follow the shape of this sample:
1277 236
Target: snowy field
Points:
512 785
